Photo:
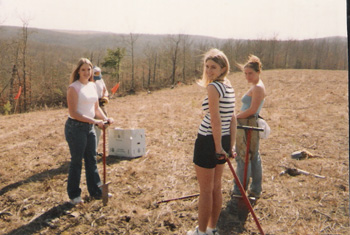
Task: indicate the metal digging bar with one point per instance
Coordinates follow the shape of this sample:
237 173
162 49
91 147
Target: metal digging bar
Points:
105 185
245 198
249 130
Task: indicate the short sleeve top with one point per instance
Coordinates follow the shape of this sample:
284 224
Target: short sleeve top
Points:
87 97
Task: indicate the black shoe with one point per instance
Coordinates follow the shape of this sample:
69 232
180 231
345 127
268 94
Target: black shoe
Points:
254 195
99 197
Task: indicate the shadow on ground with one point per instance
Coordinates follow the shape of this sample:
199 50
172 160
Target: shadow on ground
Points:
37 177
63 169
233 217
43 220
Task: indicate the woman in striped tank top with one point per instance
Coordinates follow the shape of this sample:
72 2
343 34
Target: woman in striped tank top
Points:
216 137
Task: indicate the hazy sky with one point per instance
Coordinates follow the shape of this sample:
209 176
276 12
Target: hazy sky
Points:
239 19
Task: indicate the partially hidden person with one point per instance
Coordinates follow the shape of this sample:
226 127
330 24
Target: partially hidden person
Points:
103 98
252 103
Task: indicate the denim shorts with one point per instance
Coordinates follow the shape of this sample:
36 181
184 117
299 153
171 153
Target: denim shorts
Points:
204 151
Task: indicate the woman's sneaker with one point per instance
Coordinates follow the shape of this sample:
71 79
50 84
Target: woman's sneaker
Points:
195 232
212 232
76 201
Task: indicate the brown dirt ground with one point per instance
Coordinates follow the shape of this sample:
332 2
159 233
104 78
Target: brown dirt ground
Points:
306 109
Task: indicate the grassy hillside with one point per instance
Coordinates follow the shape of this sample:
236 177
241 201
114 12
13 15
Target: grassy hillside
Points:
306 109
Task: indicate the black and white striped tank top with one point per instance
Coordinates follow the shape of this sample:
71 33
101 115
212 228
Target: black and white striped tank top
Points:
226 107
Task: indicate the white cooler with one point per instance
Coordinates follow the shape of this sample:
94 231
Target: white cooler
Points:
126 142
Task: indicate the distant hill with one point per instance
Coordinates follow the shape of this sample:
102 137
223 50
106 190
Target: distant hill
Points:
157 62
101 40
89 39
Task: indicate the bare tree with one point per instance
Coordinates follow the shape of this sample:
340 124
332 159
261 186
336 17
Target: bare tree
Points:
273 44
131 49
24 65
155 57
150 53
286 53
174 50
186 45
229 49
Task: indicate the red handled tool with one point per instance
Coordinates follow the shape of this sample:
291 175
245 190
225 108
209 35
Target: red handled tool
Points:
245 198
104 186
242 189
249 130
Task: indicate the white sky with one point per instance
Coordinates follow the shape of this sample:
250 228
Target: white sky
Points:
239 19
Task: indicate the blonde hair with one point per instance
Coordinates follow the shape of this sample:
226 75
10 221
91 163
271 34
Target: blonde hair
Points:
253 63
218 57
75 74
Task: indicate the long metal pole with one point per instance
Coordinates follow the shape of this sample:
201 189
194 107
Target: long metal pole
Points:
246 159
104 154
245 198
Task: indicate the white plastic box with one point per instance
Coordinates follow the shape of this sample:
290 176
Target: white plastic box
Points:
126 142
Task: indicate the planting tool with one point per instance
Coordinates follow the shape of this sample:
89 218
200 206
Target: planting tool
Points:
248 130
104 186
245 198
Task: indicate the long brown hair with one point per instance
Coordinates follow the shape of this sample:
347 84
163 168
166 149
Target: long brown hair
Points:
75 75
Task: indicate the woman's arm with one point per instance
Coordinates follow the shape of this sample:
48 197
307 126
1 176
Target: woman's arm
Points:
258 95
213 99
101 116
233 131
72 101
105 91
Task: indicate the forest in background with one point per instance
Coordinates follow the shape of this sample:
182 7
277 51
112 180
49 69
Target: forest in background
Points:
41 61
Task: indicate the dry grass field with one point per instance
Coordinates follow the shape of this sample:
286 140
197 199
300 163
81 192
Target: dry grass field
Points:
306 109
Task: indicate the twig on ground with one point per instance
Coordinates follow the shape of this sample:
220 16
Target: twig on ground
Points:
178 198
322 230
320 202
4 212
317 211
94 221
296 218
145 157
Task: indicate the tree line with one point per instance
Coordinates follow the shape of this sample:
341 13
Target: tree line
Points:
42 68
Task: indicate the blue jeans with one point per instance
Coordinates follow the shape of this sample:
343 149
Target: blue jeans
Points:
254 171
81 138
98 132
